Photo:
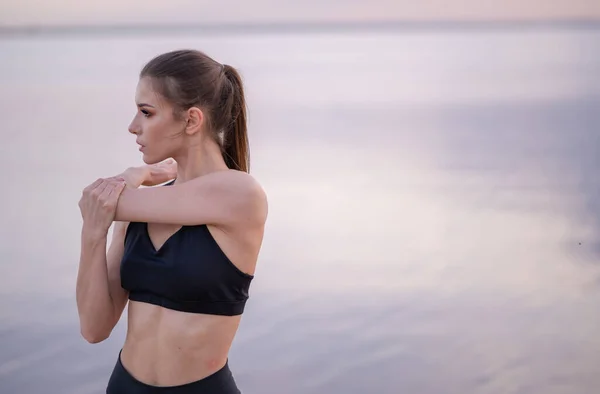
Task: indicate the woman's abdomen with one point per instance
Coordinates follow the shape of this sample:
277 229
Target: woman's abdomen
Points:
170 348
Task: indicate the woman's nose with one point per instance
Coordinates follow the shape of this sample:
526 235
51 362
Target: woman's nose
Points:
133 129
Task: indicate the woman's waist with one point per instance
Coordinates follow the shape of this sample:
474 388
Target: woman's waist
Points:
168 348
170 363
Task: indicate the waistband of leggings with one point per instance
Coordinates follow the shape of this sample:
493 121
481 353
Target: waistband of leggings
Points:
219 379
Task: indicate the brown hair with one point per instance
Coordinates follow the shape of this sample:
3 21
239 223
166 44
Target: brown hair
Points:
188 78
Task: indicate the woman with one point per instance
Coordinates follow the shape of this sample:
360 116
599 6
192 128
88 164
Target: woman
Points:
183 254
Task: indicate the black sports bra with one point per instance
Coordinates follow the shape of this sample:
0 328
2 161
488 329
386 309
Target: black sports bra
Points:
188 273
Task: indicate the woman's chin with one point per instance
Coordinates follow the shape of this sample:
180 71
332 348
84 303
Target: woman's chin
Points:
149 160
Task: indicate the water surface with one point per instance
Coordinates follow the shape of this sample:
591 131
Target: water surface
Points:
434 208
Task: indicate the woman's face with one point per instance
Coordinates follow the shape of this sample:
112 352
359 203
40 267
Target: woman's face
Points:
158 133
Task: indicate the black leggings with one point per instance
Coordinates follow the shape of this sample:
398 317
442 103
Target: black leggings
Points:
221 382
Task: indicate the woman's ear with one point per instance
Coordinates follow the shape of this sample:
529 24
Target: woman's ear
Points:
195 121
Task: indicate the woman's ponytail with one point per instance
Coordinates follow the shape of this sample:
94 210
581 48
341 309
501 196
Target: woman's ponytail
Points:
236 151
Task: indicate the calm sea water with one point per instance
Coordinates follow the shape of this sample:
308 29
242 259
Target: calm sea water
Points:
435 208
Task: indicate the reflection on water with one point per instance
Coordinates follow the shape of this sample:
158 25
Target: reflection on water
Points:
434 213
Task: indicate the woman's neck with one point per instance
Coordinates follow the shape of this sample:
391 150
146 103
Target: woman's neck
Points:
198 161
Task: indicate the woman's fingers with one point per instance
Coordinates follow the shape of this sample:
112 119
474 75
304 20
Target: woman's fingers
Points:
165 163
101 192
105 191
92 186
116 191
110 194
95 192
160 172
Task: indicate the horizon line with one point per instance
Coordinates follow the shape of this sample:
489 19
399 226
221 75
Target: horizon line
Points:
226 28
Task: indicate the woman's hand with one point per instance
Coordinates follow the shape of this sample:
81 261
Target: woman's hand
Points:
150 175
98 205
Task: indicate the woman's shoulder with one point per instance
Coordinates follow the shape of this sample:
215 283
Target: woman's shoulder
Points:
236 180
244 189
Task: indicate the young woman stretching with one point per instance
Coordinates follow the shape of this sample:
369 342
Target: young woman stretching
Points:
182 254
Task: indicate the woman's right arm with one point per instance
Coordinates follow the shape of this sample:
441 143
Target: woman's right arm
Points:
100 297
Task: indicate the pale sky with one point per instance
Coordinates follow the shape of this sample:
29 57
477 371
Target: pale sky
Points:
57 12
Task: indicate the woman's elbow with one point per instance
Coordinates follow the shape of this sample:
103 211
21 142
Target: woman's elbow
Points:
94 335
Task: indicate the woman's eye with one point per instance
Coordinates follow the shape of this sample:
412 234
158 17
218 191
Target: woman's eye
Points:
145 113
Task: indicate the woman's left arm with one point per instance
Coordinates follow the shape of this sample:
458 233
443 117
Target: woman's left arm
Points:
226 198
